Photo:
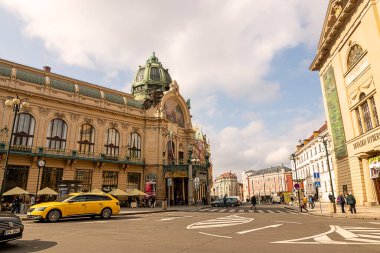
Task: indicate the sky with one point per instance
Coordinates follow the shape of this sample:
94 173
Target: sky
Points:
244 64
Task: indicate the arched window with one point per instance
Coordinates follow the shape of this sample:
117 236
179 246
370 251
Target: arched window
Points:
134 145
112 142
354 55
86 139
155 73
24 130
140 75
57 133
171 151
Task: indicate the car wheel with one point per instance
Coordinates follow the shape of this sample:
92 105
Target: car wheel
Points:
106 213
54 215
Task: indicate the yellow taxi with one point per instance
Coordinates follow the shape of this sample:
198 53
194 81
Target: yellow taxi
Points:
74 205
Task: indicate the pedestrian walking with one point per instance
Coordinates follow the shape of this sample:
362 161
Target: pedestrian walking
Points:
303 204
225 201
253 202
311 201
16 205
341 201
351 201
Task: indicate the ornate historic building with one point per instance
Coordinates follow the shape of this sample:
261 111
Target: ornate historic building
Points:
226 183
99 137
310 158
348 61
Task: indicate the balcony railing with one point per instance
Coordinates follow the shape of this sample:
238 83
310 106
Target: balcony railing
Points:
69 154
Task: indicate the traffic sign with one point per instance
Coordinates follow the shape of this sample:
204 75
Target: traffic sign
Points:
317 175
317 184
296 186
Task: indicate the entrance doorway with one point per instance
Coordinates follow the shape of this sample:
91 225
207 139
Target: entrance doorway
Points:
178 191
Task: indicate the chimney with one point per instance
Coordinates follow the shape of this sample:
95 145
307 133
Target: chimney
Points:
46 68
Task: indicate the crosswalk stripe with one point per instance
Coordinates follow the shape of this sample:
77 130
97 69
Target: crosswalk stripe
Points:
222 210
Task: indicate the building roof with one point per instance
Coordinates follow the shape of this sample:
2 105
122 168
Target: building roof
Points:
227 175
270 170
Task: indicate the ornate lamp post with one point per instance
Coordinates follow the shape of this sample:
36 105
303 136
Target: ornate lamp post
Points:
16 104
325 139
293 158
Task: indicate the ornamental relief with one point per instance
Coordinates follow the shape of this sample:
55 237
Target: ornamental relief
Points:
101 122
74 116
365 88
59 115
43 111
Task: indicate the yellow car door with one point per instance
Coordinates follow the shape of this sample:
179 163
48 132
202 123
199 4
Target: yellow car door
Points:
75 206
94 204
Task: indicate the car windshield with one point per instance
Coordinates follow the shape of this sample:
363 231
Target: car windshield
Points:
63 198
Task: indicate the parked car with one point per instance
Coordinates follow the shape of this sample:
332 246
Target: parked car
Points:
11 227
74 205
231 201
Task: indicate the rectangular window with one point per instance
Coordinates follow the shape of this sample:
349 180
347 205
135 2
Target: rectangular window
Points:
110 179
16 176
85 176
359 121
374 111
133 180
367 116
51 177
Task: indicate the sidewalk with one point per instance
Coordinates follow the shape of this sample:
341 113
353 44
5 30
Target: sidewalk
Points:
135 211
362 212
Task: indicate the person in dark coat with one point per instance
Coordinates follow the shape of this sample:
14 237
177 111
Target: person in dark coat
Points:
351 201
16 205
253 202
341 201
225 201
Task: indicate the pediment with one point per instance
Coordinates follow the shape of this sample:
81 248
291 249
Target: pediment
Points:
334 10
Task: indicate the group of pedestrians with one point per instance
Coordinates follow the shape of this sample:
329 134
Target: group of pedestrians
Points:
347 200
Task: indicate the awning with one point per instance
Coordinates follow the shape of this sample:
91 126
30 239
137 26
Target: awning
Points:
47 191
118 192
16 191
135 192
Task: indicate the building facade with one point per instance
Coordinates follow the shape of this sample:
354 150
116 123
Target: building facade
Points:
311 158
267 182
348 61
226 183
99 137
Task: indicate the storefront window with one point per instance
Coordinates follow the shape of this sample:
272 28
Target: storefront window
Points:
57 131
110 179
133 180
51 177
16 176
85 176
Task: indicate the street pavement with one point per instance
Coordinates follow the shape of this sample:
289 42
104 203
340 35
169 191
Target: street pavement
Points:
190 229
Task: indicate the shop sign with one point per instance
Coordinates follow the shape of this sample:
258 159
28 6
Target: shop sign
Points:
176 174
362 142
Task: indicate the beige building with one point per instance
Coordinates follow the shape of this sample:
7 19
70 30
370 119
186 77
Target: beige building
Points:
348 61
95 137
226 183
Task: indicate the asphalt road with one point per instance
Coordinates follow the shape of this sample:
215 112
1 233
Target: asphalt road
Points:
209 230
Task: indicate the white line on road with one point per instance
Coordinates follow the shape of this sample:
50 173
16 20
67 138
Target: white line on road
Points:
376 223
222 236
251 230
172 218
288 222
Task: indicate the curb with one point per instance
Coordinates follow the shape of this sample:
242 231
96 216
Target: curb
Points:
331 215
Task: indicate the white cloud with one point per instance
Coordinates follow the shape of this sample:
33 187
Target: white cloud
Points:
208 45
214 49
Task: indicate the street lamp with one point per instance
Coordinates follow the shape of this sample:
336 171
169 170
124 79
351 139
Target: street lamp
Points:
293 158
16 104
325 139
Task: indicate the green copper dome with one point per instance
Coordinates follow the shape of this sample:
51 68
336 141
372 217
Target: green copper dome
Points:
150 77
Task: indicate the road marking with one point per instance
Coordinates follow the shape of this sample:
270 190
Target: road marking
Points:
345 232
241 211
222 210
288 222
172 218
87 222
205 209
213 210
232 211
222 236
220 222
270 211
248 231
376 223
